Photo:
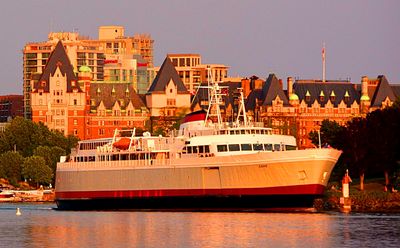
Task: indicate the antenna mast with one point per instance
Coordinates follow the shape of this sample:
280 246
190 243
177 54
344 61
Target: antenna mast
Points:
323 63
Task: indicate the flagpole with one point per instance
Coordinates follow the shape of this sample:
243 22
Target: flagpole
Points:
323 63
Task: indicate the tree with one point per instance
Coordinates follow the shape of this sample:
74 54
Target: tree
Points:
355 147
50 154
10 166
383 128
25 136
331 133
35 169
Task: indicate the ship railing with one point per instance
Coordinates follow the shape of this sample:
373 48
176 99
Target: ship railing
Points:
149 162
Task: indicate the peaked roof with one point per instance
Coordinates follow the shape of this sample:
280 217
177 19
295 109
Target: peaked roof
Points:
272 89
166 73
110 93
58 59
383 90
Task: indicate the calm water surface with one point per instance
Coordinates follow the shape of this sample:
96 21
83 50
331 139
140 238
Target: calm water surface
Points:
41 226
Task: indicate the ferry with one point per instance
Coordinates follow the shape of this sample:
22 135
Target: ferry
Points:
206 165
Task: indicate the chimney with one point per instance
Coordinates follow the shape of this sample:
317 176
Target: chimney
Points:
364 86
289 86
246 86
280 84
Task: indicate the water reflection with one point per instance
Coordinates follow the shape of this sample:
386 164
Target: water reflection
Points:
43 227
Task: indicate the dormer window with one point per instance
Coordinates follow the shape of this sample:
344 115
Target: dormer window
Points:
113 92
308 96
43 83
73 83
332 96
346 96
127 92
321 96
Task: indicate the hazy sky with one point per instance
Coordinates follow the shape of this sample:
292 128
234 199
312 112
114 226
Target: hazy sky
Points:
252 37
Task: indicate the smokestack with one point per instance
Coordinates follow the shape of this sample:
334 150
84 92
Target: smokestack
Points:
289 86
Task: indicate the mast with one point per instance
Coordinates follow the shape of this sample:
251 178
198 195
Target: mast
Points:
214 98
242 110
323 63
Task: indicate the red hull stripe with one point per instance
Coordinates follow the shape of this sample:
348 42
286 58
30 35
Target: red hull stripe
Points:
196 116
314 189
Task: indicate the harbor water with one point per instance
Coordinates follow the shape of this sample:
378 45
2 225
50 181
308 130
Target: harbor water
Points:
39 225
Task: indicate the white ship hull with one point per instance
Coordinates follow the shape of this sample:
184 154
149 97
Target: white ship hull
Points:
251 181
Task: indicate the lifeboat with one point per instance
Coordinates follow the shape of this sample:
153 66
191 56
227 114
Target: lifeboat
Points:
122 143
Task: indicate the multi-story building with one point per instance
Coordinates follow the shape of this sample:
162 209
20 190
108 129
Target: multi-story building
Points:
80 53
303 106
306 103
192 72
78 106
111 57
11 106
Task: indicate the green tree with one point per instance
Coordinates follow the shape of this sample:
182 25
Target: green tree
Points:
10 166
36 171
331 133
50 154
25 136
356 147
383 129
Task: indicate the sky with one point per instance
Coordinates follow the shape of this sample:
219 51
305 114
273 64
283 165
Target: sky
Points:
252 37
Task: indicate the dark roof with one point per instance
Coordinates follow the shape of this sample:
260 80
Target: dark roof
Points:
272 89
230 89
166 73
123 92
252 98
396 90
383 90
339 89
58 59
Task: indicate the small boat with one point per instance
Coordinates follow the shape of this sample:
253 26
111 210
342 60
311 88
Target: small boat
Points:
6 195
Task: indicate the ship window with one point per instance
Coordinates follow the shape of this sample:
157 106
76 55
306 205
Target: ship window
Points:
207 150
242 131
234 147
253 131
201 149
246 147
258 147
277 147
232 132
194 149
268 147
189 149
222 148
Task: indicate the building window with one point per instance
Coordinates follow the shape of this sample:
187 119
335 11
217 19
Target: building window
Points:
75 122
75 132
171 102
75 102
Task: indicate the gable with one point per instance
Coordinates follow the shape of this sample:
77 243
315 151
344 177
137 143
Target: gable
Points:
165 75
58 60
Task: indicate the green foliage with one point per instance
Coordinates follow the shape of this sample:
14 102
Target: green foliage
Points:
36 171
368 144
25 136
50 154
329 132
10 166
